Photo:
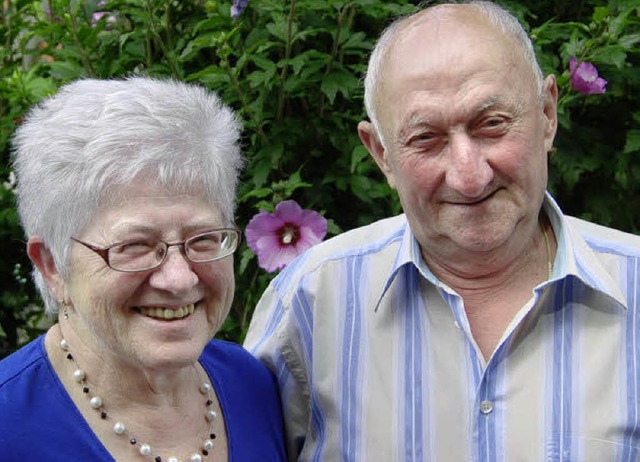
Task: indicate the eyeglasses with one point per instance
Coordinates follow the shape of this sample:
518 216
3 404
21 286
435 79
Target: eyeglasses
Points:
141 255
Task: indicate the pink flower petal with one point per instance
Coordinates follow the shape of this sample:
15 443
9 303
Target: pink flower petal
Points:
572 64
289 211
277 259
261 224
265 232
584 78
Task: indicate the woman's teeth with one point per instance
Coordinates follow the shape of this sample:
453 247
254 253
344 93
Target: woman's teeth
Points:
167 313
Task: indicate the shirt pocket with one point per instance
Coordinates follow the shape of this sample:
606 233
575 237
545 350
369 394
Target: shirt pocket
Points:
587 449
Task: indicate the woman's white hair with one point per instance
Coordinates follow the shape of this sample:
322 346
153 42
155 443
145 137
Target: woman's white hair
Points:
75 150
497 15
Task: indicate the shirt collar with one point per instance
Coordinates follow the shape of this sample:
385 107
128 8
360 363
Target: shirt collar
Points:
573 258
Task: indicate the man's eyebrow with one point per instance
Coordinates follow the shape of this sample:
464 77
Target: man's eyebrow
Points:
511 103
413 121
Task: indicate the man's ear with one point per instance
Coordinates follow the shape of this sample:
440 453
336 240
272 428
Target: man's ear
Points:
550 110
41 257
371 140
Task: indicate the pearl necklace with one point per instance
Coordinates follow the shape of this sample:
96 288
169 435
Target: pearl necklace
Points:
119 427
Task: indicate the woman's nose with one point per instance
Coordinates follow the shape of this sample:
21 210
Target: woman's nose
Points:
176 272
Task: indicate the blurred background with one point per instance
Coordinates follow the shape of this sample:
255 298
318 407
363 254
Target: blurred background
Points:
293 69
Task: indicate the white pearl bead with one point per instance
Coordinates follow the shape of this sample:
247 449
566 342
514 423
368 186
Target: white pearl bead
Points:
64 345
205 388
208 445
173 459
96 402
119 428
78 375
211 415
196 458
145 450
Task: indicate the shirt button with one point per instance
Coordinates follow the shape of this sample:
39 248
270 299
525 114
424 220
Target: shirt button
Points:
486 407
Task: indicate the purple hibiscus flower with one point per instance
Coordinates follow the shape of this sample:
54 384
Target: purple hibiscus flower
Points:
584 78
277 238
237 7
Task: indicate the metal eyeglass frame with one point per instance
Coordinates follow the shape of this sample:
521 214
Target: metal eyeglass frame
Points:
104 251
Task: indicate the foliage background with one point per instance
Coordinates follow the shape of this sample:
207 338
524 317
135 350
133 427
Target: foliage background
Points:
293 69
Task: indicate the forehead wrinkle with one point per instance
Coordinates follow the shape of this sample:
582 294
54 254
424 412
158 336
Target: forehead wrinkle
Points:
416 119
121 229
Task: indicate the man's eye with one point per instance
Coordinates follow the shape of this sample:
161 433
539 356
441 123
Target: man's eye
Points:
422 139
493 126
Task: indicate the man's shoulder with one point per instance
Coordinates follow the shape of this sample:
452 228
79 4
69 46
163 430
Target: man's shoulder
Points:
366 239
379 239
604 239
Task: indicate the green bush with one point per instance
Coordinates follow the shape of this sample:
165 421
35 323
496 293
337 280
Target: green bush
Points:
293 69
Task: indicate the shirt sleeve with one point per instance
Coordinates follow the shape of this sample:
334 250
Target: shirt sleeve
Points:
274 337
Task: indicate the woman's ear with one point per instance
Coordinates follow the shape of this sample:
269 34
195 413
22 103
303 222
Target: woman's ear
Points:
42 258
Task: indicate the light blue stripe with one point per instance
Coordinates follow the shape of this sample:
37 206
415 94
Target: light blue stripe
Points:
302 312
318 424
413 386
631 452
561 405
271 326
473 367
351 342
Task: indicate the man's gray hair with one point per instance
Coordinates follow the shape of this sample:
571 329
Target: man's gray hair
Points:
497 15
75 150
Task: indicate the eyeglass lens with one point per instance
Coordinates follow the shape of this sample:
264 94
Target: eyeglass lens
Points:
146 255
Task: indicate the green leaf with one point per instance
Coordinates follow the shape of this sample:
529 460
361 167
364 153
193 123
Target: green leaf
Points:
633 141
600 13
66 71
357 155
613 54
628 41
338 81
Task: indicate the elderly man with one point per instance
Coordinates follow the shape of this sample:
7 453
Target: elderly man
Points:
482 324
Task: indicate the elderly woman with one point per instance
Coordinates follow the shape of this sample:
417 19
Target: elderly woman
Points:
126 193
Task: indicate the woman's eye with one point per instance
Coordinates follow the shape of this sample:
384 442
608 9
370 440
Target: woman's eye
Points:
133 247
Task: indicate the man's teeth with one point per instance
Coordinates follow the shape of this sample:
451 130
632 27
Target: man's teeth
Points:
167 313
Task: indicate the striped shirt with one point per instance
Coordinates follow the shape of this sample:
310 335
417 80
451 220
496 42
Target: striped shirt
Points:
376 362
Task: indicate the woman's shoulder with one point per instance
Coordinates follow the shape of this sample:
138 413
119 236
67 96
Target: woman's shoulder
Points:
232 360
249 397
21 363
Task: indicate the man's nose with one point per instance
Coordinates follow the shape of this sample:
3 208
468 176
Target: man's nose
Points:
468 172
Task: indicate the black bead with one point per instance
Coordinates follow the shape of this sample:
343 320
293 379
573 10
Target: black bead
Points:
205 452
69 356
158 459
85 389
132 441
209 402
212 436
103 415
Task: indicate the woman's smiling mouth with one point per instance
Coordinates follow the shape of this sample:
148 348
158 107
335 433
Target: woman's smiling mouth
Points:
167 313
